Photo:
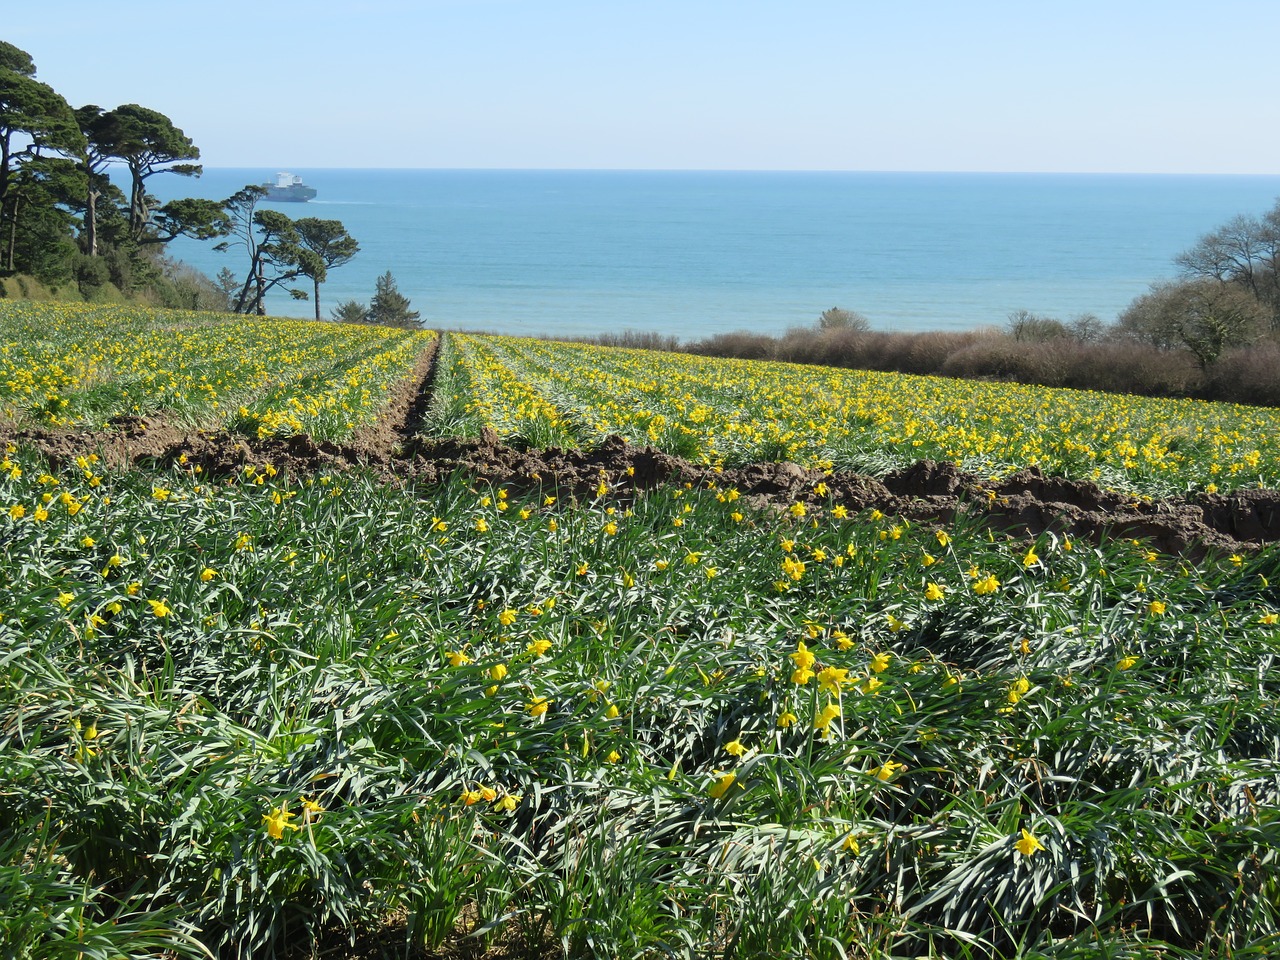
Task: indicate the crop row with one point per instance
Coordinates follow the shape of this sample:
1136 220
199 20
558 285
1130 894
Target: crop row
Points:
75 365
727 411
671 725
65 365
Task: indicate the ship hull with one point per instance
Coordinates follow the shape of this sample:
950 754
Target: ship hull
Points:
291 196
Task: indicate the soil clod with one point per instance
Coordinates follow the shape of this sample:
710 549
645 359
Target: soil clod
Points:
1024 504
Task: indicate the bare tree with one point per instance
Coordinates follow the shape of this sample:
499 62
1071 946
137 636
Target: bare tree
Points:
838 318
1202 316
1245 253
1087 328
1025 326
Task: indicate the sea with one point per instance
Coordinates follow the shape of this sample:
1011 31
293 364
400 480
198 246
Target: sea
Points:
691 254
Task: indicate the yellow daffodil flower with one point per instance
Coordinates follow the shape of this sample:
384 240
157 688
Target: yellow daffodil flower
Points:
277 822
721 786
1028 844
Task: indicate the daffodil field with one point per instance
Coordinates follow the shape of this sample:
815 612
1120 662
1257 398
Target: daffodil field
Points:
72 365
732 411
355 715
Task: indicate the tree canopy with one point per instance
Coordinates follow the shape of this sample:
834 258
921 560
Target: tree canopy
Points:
64 220
35 121
19 61
148 143
271 243
1203 316
326 245
61 217
1243 253
389 306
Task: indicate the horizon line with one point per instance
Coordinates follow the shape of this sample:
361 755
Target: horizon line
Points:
816 170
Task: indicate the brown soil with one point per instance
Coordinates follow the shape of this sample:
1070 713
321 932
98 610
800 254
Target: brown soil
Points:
407 403
1024 504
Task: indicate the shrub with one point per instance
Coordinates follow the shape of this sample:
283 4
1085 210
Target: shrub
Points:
350 311
1247 375
91 273
839 319
1024 325
1129 358
1204 316
635 340
927 352
738 345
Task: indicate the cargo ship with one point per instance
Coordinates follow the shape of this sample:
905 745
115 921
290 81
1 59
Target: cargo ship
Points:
289 189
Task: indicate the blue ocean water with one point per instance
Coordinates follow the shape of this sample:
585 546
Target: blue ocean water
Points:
695 253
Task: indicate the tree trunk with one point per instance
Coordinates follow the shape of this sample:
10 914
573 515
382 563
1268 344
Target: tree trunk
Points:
91 221
5 249
4 168
4 187
242 301
317 283
137 204
13 231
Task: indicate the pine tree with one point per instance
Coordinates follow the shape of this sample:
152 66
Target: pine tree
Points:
390 307
352 311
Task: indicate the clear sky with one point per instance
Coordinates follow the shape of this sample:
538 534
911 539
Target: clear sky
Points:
1155 86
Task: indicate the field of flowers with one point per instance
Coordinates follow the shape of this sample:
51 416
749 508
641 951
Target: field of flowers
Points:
240 714
67 365
270 714
726 411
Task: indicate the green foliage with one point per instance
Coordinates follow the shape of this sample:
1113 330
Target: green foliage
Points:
199 219
189 660
326 245
281 250
736 412
85 366
19 61
34 111
33 118
148 143
451 413
272 243
350 311
57 204
20 287
389 307
1205 317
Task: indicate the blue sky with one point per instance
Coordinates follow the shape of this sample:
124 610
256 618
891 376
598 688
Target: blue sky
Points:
1154 87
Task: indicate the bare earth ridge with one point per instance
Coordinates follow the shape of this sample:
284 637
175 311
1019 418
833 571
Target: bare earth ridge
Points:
1024 504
